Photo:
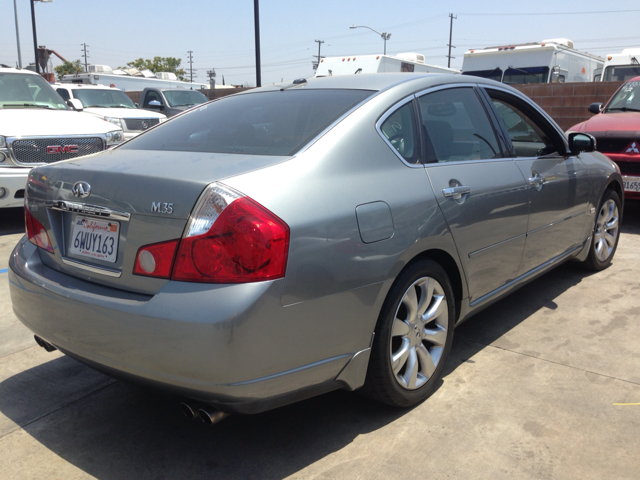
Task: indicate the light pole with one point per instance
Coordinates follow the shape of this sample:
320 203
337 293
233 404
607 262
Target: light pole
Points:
15 10
33 24
385 36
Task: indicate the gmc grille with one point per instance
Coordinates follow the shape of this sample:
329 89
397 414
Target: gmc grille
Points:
135 124
34 150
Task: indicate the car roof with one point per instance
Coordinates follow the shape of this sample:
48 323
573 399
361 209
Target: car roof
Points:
16 70
378 81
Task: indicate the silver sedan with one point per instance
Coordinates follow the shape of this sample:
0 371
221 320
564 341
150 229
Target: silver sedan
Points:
310 236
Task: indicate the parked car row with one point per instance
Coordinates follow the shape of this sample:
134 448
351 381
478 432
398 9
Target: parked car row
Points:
308 236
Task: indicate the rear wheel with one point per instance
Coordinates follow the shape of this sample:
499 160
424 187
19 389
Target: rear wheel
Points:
606 232
413 336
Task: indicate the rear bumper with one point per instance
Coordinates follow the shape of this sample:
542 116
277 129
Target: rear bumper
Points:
233 346
13 181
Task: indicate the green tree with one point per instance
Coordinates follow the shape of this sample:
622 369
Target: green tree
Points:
69 68
159 64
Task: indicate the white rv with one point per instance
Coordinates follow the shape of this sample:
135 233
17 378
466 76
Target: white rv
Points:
130 80
403 62
549 61
621 67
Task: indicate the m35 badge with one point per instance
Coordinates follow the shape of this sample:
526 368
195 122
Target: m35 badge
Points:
162 207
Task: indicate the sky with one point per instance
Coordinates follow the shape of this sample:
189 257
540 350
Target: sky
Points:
221 34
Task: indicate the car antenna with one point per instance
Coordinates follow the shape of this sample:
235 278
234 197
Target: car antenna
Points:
296 82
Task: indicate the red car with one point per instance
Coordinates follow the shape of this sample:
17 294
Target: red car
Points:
616 128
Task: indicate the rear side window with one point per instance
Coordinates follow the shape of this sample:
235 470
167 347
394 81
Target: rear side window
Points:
456 127
265 123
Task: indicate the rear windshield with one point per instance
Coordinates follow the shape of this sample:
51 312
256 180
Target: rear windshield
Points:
264 123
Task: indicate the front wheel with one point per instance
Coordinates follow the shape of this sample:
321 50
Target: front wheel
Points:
606 232
413 336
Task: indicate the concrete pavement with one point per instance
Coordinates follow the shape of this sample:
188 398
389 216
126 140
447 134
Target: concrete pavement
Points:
531 391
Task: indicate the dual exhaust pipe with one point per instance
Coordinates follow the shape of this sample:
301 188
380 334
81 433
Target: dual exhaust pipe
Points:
44 344
207 414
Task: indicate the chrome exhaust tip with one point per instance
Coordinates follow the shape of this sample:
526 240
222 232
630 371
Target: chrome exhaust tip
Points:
211 416
44 344
188 412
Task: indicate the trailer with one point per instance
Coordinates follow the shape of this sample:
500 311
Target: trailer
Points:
620 67
130 80
403 62
549 61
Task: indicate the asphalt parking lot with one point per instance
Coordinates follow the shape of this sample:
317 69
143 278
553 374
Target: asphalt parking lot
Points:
544 384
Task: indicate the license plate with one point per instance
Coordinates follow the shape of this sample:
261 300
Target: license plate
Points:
631 184
97 239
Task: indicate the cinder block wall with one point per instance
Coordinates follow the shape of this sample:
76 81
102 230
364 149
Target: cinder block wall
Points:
567 102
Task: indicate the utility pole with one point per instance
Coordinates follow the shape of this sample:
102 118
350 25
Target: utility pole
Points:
86 68
212 77
256 21
317 64
190 52
450 34
15 10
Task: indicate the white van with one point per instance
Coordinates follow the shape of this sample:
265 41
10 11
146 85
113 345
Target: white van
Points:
354 64
549 61
620 67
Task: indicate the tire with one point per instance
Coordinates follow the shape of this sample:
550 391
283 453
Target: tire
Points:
606 232
419 343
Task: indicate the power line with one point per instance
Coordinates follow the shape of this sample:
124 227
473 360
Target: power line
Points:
473 14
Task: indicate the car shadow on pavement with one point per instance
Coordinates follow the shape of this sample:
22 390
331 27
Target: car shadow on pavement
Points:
631 217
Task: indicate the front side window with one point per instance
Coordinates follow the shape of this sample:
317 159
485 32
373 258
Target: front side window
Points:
265 123
530 137
519 76
456 127
64 93
19 90
400 131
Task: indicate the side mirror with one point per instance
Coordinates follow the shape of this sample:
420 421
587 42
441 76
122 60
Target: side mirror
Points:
595 107
581 142
75 104
137 106
156 105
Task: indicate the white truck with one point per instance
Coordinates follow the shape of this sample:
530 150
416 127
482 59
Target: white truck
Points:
37 127
111 105
403 62
130 80
620 67
549 61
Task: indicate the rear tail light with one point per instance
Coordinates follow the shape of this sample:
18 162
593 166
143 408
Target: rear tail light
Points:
36 233
229 239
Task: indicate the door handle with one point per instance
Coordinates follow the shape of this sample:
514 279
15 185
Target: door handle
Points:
536 181
456 192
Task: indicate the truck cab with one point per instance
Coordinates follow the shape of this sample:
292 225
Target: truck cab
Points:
111 105
170 101
620 67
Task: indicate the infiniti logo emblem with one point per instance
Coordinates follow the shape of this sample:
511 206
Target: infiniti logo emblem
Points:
81 189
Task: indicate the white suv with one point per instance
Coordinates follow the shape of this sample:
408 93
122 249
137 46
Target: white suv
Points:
113 105
37 127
